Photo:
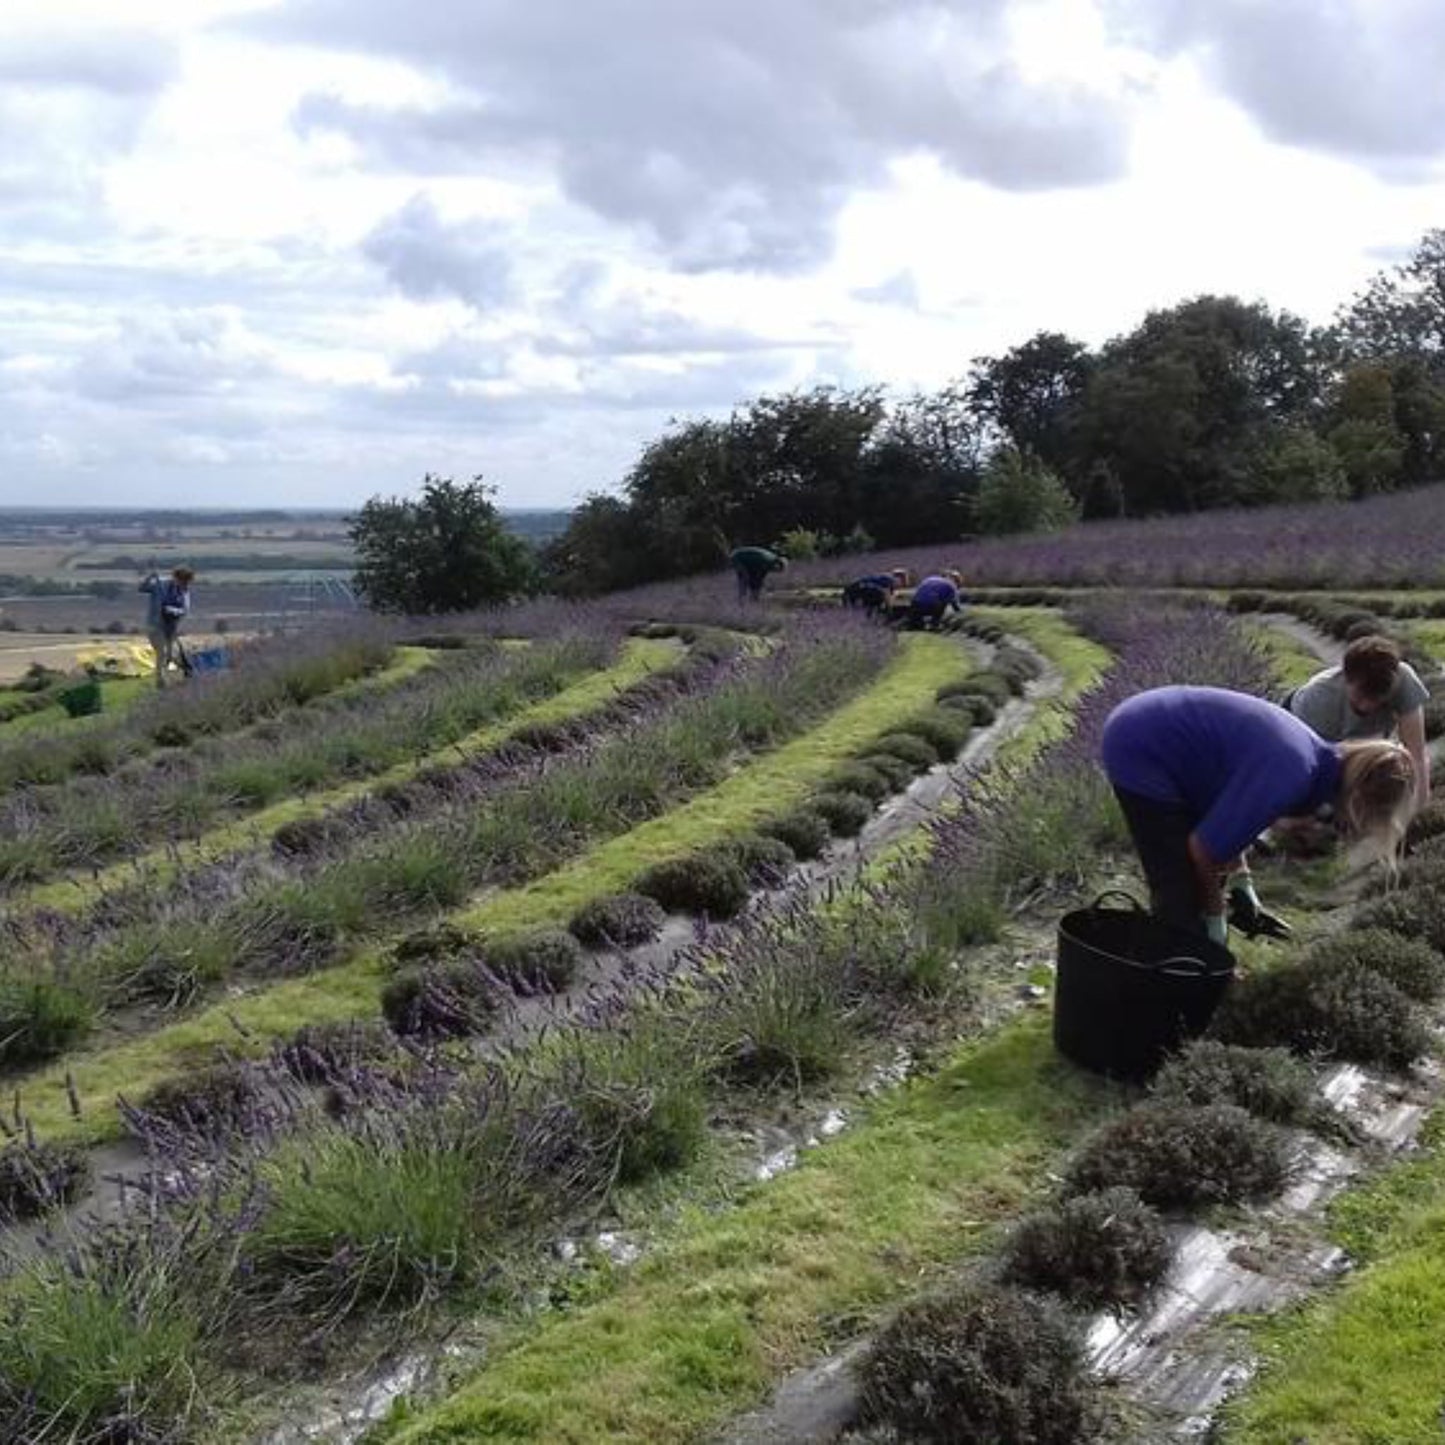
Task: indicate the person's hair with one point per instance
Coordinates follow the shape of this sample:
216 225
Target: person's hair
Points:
902 576
956 578
1372 664
183 575
1377 796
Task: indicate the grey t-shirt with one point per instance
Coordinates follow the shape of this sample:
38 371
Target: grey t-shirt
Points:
1324 704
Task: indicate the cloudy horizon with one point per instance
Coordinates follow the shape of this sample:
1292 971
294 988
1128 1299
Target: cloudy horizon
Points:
271 252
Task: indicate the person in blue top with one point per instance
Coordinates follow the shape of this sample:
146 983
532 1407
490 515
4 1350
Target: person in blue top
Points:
169 605
875 592
753 566
934 598
1201 772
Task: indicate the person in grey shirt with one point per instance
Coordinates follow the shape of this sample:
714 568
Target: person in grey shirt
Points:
1372 694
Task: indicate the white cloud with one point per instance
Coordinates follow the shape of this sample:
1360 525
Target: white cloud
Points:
301 250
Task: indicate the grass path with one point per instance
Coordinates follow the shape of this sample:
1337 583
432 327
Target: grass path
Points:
119 695
639 658
1364 1362
707 1323
248 1024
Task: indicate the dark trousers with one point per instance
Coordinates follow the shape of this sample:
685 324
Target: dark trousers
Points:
1161 838
926 614
750 584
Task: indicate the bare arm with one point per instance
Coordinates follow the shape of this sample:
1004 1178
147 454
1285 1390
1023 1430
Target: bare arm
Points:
1412 734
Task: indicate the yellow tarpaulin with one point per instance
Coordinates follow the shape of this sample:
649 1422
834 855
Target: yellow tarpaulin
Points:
126 659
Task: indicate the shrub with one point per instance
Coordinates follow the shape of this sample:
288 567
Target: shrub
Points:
1096 1250
1179 1155
36 1177
449 1001
1329 1010
704 883
548 959
172 734
39 1020
1415 968
211 1102
979 710
944 729
302 837
1428 823
892 769
323 1053
439 944
860 778
1433 715
555 737
1270 1083
988 685
918 754
980 1363
1017 668
805 832
621 920
844 813
765 861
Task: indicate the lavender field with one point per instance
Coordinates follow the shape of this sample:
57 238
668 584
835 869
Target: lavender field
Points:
1379 543
562 1025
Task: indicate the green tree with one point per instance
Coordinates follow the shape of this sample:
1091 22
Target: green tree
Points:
446 551
1294 464
1019 493
1401 313
1031 396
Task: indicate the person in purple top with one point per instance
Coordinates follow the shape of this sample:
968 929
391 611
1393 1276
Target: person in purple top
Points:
933 598
1201 772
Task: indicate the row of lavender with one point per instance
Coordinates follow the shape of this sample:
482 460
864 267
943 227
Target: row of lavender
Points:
433 1167
167 798
1383 542
419 849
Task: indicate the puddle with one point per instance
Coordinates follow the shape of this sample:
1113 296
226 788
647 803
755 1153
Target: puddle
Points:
335 1426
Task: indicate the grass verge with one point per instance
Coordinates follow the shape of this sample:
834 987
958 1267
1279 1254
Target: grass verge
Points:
1364 1363
1293 663
639 658
248 1025
709 1321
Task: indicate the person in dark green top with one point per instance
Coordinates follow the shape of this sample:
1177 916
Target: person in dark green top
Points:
753 564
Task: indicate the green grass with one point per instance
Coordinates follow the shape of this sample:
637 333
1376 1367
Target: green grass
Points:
731 1301
248 1025
639 658
1293 663
1364 1362
118 694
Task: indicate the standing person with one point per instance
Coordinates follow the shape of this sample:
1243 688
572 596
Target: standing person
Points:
753 565
1200 772
1373 693
933 598
874 593
170 604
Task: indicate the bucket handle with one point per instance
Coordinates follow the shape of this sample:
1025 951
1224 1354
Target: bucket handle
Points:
1134 905
1195 966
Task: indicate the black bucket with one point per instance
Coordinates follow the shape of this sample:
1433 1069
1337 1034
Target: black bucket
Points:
1132 988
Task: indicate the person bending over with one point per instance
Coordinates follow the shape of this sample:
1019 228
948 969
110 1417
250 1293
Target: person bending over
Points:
1373 693
753 566
169 605
934 598
874 594
1200 772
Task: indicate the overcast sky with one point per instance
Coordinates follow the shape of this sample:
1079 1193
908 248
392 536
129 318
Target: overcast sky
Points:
257 252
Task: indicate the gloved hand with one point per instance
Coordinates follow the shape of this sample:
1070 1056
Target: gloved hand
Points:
1252 921
1216 928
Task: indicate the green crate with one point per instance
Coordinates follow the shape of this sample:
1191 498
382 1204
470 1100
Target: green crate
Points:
82 700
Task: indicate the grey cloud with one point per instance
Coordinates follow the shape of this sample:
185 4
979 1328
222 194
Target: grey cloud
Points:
732 131
117 62
900 289
426 257
1356 78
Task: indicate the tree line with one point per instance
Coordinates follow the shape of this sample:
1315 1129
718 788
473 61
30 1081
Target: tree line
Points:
1215 402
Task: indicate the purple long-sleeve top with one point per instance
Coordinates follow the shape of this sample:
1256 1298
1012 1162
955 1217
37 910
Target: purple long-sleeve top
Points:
1238 762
